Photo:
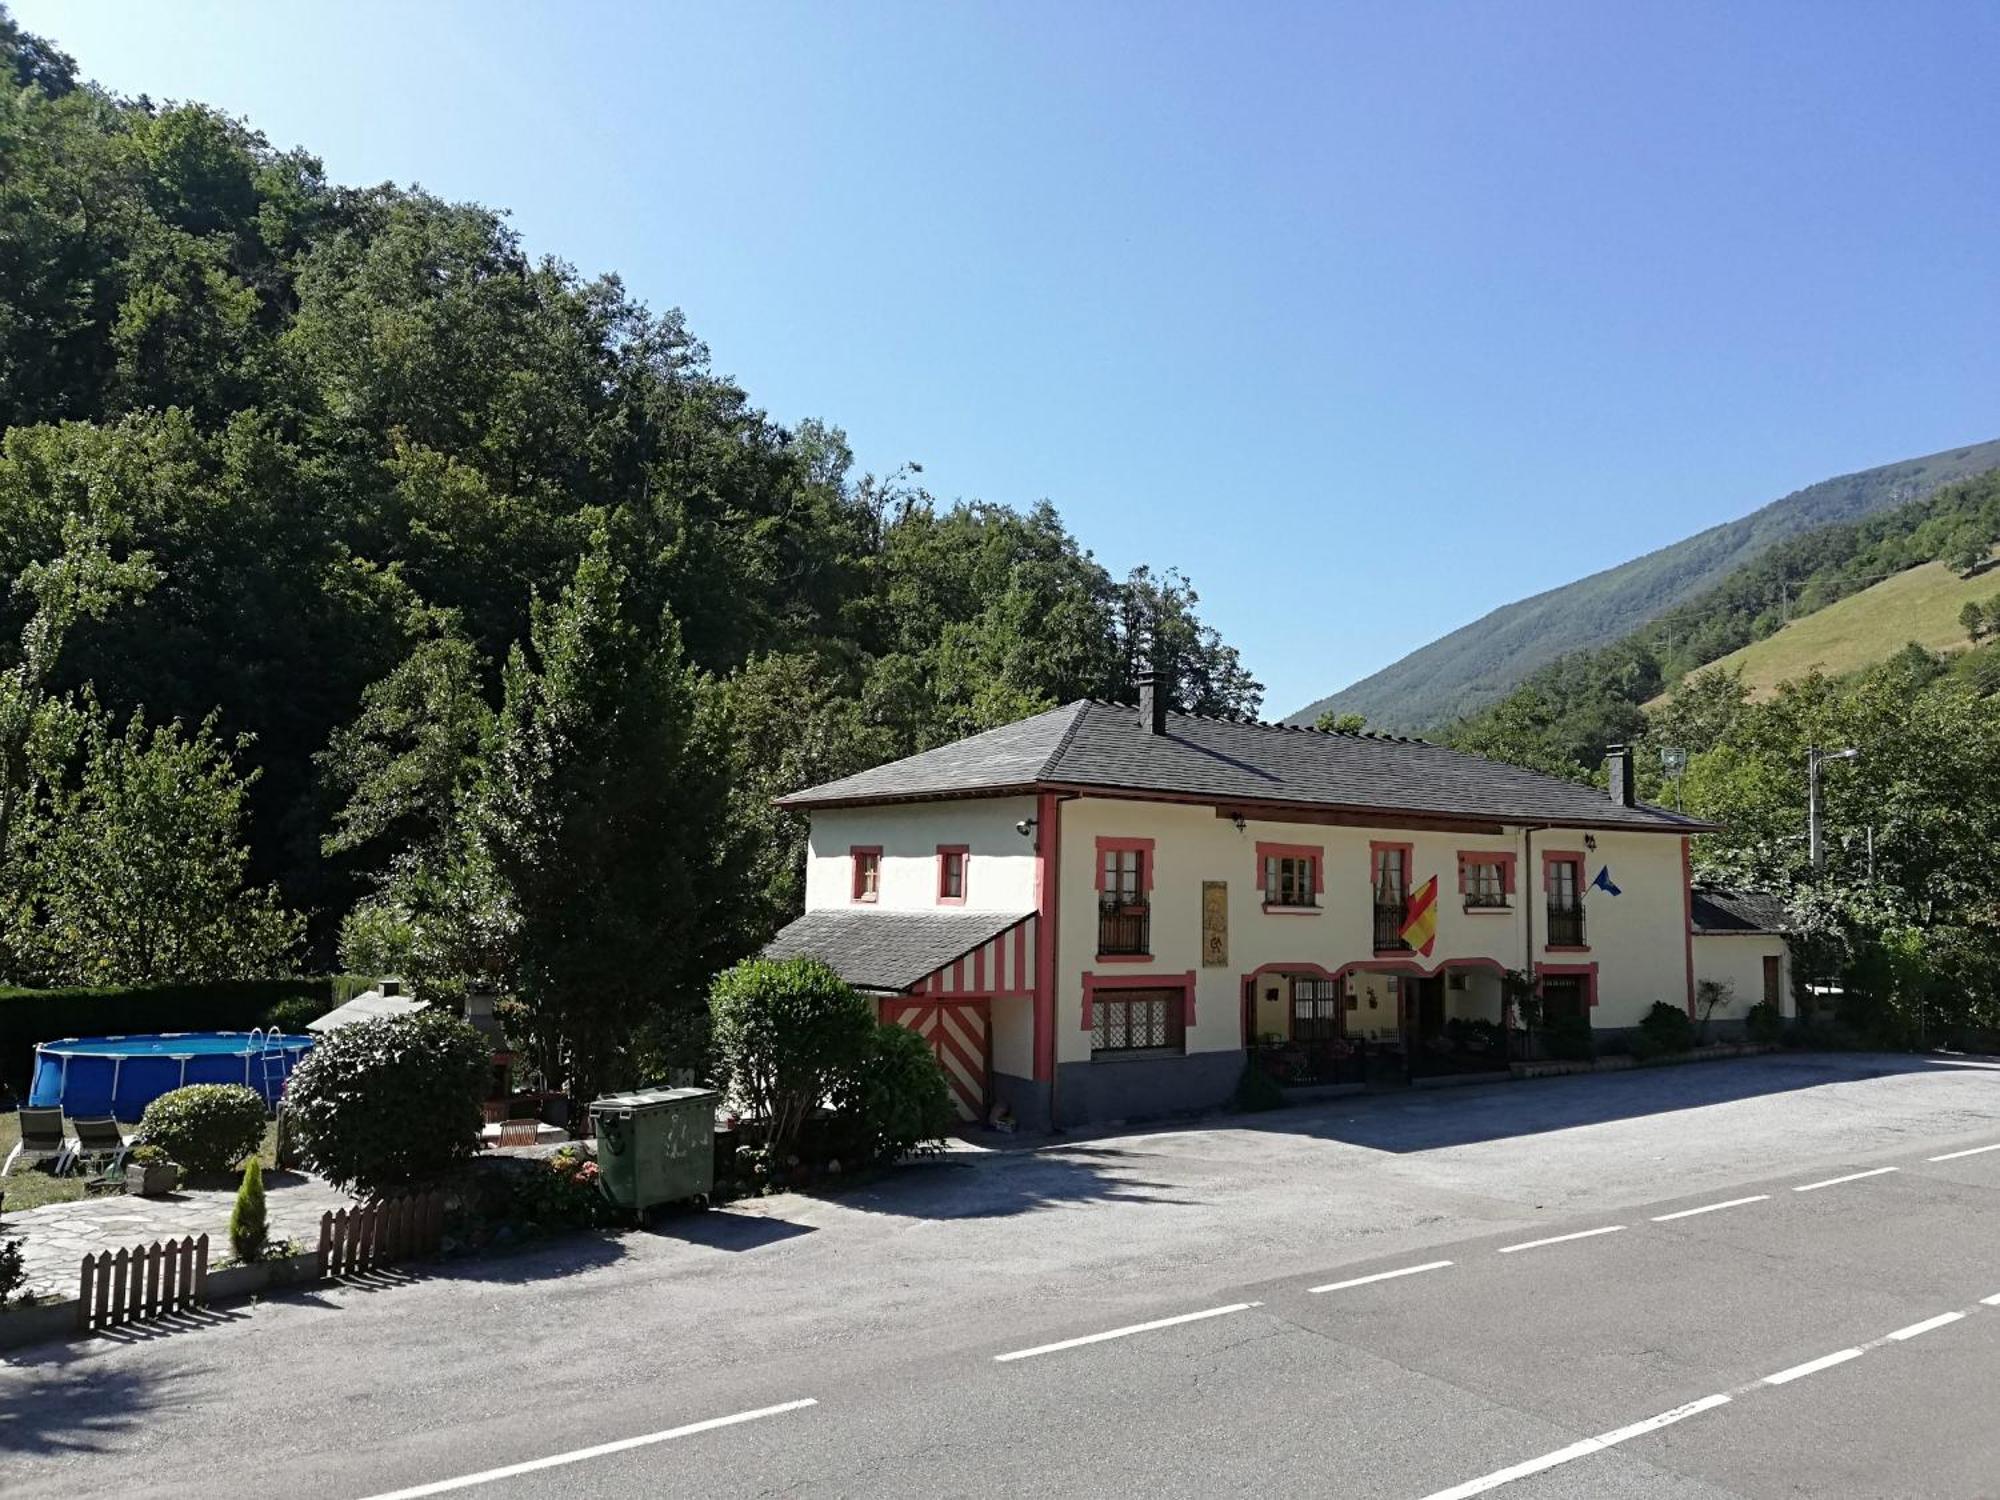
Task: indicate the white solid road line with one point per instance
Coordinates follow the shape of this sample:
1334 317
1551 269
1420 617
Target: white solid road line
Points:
1583 1449
1992 1301
1812 1367
1955 1155
1560 1239
1926 1326
1709 1208
559 1459
1341 1286
1119 1333
1850 1177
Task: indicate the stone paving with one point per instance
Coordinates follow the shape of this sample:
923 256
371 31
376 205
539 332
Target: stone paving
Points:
56 1237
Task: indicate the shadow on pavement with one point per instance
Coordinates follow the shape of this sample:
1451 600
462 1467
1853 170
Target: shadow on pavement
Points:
1437 1118
62 1401
1000 1187
719 1229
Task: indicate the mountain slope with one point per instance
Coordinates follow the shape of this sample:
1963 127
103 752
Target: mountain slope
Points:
1920 604
1478 663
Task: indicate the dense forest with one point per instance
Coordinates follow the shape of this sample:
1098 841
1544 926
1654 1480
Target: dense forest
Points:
379 593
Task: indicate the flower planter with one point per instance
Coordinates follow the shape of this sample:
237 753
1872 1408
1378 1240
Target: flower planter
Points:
153 1179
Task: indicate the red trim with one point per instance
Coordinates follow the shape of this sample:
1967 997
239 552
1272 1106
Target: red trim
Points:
1504 858
1092 983
1378 966
1586 972
944 851
1687 912
1048 866
1313 853
1122 846
1574 856
854 853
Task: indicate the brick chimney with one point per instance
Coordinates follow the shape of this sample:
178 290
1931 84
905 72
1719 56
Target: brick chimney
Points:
1618 763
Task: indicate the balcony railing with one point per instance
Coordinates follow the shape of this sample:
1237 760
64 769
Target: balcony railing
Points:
1565 926
1124 927
1389 918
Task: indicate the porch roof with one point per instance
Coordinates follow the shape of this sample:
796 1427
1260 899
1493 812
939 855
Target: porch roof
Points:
891 952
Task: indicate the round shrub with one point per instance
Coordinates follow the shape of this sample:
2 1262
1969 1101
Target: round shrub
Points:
1666 1029
206 1127
788 1032
1569 1039
895 1099
383 1104
1763 1025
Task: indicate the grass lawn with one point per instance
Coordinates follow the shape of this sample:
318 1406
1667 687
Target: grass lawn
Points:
26 1188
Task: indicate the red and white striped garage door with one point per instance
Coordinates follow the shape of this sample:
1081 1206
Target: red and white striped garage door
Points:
959 1033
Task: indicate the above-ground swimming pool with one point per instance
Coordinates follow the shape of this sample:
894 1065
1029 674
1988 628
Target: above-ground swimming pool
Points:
121 1075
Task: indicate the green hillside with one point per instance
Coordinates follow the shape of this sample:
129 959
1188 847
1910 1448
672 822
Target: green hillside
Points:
1481 662
1920 605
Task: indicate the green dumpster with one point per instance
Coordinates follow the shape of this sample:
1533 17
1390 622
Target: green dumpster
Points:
655 1146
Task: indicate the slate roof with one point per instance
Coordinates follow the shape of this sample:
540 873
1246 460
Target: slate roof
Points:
1723 909
1090 744
891 950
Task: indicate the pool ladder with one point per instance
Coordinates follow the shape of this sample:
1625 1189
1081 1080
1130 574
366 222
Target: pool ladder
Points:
269 1047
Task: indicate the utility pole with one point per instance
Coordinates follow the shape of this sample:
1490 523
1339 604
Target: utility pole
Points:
1815 835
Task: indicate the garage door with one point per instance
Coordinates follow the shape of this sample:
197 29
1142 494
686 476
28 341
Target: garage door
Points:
960 1036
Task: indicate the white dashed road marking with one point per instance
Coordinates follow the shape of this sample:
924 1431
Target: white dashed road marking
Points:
1341 1286
1581 1234
1583 1449
1955 1155
1709 1208
1119 1333
1926 1326
1812 1366
1850 1177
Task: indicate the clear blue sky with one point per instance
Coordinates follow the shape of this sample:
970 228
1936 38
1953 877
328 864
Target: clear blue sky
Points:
1369 317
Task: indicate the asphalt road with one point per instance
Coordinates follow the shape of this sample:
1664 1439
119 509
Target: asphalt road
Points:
1583 1287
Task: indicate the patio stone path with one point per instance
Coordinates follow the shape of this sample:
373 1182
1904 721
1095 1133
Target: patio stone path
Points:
56 1237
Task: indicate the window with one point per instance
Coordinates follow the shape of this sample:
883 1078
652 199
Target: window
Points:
867 872
1124 907
951 862
1288 874
1317 1008
1390 877
1485 879
1137 1021
1562 876
1564 997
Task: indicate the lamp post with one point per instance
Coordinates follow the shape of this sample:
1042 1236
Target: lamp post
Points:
1815 840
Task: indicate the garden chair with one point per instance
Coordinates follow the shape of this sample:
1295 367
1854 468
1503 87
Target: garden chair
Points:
42 1139
519 1132
100 1139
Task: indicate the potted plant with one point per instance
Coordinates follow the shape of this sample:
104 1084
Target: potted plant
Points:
149 1173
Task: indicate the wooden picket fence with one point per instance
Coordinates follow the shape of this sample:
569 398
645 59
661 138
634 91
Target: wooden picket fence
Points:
143 1283
356 1240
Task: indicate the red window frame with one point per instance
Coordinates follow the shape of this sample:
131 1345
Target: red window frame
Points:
954 866
1141 888
1376 850
1503 859
1314 858
866 873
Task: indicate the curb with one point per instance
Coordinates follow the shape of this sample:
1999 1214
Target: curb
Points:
47 1321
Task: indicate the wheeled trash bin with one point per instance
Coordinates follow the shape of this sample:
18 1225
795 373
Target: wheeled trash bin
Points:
656 1146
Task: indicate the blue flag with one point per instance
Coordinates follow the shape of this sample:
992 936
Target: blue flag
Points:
1604 882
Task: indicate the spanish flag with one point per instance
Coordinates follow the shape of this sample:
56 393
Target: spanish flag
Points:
1420 919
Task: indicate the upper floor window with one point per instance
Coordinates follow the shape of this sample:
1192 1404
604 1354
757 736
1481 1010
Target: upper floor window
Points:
1288 874
1389 875
1124 888
1486 879
1124 876
951 863
867 872
1562 879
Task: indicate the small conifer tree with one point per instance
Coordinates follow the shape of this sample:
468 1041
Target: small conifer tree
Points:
248 1226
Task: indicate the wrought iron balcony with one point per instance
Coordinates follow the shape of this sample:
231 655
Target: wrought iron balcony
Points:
1565 926
1124 926
1389 918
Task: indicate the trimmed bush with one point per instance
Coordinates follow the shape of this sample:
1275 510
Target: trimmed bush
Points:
249 1226
895 1100
1665 1030
788 1032
206 1127
13 1270
1569 1039
1763 1025
383 1104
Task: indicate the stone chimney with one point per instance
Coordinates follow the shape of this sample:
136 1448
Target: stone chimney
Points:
1618 763
1152 703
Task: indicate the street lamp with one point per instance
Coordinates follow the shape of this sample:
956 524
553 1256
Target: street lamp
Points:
1815 758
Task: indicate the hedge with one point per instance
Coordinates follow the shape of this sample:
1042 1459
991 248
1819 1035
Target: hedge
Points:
30 1017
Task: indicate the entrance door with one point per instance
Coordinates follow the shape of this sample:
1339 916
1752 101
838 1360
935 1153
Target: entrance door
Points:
960 1034
1423 1001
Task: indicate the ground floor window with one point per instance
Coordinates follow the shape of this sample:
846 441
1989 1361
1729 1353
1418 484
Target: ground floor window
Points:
1564 996
1137 1021
1316 1009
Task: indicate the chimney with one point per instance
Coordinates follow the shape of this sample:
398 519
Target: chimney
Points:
1152 703
1618 762
389 987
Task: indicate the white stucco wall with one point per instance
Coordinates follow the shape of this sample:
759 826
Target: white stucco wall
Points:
1637 939
1000 872
1737 959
